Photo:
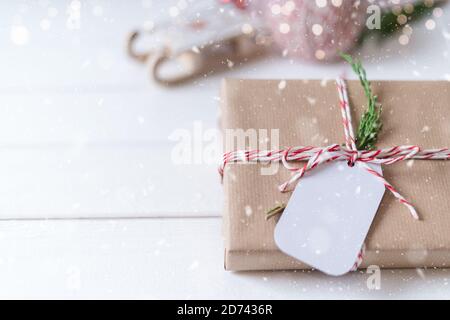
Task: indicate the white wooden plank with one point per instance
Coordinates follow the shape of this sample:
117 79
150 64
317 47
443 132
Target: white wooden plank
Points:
76 155
104 115
128 180
168 258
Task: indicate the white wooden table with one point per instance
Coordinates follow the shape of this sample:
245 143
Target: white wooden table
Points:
92 206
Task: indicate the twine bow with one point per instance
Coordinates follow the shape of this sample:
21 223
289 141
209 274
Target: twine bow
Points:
315 156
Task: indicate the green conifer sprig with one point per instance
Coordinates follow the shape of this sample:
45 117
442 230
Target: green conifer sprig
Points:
370 124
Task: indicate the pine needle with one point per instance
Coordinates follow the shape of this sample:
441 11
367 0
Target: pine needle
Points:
275 211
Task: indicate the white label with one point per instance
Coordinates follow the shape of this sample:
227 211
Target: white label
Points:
329 215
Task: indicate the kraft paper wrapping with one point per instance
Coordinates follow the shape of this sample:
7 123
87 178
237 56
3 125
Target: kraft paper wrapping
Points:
307 113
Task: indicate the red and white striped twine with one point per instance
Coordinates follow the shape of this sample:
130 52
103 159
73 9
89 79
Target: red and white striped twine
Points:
315 156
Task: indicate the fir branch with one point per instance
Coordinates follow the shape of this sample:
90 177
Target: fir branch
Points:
370 124
389 21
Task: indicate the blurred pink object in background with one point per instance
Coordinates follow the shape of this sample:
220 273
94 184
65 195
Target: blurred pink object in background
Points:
315 29
312 29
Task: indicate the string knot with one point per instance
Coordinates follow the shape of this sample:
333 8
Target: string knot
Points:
353 156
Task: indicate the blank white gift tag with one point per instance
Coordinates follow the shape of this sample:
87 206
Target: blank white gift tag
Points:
329 215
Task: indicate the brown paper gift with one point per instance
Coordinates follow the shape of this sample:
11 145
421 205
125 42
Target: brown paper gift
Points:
306 113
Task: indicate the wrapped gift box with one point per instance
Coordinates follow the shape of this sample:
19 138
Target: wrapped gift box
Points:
306 113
